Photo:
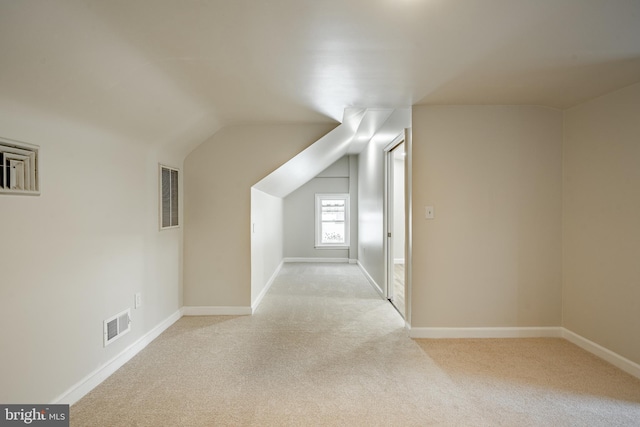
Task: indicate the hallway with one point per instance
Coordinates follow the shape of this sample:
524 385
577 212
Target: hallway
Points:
325 349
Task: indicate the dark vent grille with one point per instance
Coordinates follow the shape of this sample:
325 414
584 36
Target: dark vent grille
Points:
174 198
166 198
112 329
169 205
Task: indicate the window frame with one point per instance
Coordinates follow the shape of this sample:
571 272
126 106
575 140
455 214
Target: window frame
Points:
319 197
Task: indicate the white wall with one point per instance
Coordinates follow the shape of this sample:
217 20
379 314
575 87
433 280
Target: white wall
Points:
601 216
218 178
354 208
266 240
370 205
492 255
299 212
76 255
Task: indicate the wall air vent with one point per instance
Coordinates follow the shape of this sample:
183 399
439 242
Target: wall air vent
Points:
117 326
18 168
169 202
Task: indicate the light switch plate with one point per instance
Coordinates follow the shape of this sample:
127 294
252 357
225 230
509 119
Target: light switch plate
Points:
429 212
138 300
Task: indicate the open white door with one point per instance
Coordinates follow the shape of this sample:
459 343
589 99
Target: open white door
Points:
395 203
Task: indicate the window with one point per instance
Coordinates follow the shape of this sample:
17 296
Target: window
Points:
18 168
332 220
169 204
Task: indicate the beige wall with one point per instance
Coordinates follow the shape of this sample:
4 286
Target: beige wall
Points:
492 255
76 255
218 176
601 217
267 232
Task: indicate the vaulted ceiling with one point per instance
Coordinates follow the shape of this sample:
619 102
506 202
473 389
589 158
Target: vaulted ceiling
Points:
172 72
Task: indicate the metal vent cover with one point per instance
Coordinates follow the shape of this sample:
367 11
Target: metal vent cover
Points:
169 201
19 171
116 326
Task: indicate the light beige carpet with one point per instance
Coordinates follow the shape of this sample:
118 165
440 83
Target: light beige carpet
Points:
324 349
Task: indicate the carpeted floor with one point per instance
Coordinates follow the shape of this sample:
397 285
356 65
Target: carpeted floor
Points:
324 349
398 288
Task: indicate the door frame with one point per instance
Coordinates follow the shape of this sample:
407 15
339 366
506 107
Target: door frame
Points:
405 138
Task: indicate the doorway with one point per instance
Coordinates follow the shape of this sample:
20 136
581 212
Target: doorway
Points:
395 224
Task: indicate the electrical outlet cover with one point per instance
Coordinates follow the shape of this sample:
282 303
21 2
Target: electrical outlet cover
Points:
138 300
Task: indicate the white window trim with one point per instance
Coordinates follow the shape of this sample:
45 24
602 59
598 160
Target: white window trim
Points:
318 216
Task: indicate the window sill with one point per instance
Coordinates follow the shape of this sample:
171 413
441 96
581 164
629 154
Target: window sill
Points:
333 247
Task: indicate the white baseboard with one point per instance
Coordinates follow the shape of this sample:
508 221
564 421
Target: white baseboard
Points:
505 332
614 358
266 288
371 280
318 259
530 332
91 381
216 310
353 261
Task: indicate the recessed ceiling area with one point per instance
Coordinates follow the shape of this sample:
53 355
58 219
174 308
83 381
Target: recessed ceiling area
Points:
172 73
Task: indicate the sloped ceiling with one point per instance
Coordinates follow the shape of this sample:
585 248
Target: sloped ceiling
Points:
358 127
172 73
